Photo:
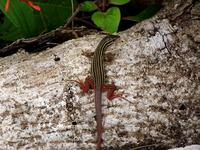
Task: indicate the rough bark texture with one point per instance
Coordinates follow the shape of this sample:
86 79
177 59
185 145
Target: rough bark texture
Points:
156 64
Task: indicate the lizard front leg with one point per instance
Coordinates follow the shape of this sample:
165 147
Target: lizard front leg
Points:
85 85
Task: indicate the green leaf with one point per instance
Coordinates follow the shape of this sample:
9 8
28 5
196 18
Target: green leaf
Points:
27 22
147 13
109 20
88 6
119 2
55 15
8 32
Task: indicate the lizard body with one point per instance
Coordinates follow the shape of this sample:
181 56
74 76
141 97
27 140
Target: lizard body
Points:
97 72
96 81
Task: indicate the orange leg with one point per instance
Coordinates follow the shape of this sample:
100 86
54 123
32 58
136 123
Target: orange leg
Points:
89 83
85 85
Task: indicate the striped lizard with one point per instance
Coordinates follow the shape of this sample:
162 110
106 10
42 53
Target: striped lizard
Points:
96 81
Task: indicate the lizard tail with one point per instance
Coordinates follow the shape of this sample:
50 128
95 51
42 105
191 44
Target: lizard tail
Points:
98 118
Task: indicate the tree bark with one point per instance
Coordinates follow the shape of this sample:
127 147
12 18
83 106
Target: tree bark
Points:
156 65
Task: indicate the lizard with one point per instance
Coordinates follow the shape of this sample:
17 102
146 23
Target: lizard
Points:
96 81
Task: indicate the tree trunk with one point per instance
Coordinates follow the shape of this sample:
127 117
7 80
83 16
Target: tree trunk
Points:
156 65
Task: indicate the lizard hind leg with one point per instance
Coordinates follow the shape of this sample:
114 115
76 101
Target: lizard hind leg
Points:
110 89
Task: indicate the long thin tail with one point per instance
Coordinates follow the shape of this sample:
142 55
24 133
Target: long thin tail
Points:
98 108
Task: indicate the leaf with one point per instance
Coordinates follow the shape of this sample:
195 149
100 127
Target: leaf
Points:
19 14
109 20
88 6
55 15
8 32
147 13
119 2
28 22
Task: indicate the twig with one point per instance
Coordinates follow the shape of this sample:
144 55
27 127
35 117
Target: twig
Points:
72 16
